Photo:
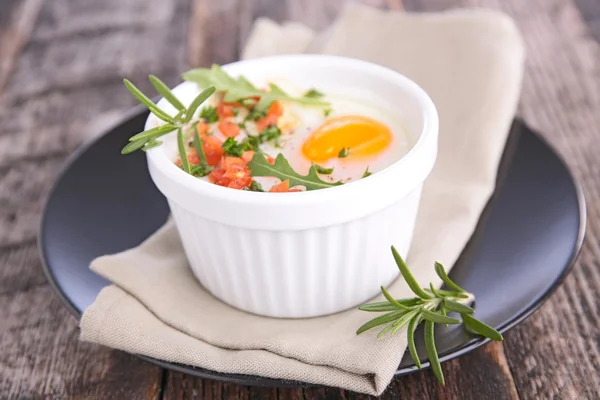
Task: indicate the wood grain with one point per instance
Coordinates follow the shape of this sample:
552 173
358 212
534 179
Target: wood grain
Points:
17 19
64 85
556 353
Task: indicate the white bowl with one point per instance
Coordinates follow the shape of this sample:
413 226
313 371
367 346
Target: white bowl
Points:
295 255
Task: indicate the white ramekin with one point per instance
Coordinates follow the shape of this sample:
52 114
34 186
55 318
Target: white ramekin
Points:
294 255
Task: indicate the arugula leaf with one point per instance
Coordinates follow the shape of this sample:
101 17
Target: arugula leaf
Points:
281 169
240 88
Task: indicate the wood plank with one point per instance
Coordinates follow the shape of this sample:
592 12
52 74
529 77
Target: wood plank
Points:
590 13
481 374
66 87
17 19
42 356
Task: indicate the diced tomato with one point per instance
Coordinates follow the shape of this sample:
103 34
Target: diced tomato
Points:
231 172
270 160
212 149
230 162
275 111
216 175
228 128
193 158
281 187
247 156
202 128
240 183
225 110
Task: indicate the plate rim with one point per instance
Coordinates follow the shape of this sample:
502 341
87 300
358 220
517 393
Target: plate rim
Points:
254 380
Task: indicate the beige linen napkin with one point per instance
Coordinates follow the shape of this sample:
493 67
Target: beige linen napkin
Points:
471 63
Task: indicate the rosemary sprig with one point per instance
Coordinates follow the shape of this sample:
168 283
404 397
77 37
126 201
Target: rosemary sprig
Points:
179 122
431 306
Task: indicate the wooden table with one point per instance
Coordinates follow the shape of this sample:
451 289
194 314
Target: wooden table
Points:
61 66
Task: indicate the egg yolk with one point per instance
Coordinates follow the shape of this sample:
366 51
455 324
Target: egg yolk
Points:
363 136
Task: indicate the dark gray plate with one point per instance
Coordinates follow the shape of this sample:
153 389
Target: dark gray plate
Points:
526 240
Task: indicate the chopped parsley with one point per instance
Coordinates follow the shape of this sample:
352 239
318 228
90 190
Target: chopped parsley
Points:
255 114
251 143
327 111
367 173
323 170
313 94
255 187
232 147
272 132
344 152
209 114
200 170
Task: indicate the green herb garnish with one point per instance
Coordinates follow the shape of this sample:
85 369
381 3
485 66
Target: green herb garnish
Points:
248 103
322 170
367 173
327 111
271 133
209 114
429 305
345 152
255 115
251 143
201 170
240 88
232 147
281 169
313 94
147 139
255 187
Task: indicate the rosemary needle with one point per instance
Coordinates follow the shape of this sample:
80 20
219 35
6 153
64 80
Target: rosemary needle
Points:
430 305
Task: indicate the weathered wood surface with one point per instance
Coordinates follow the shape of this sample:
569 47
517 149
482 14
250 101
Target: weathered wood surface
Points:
65 85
